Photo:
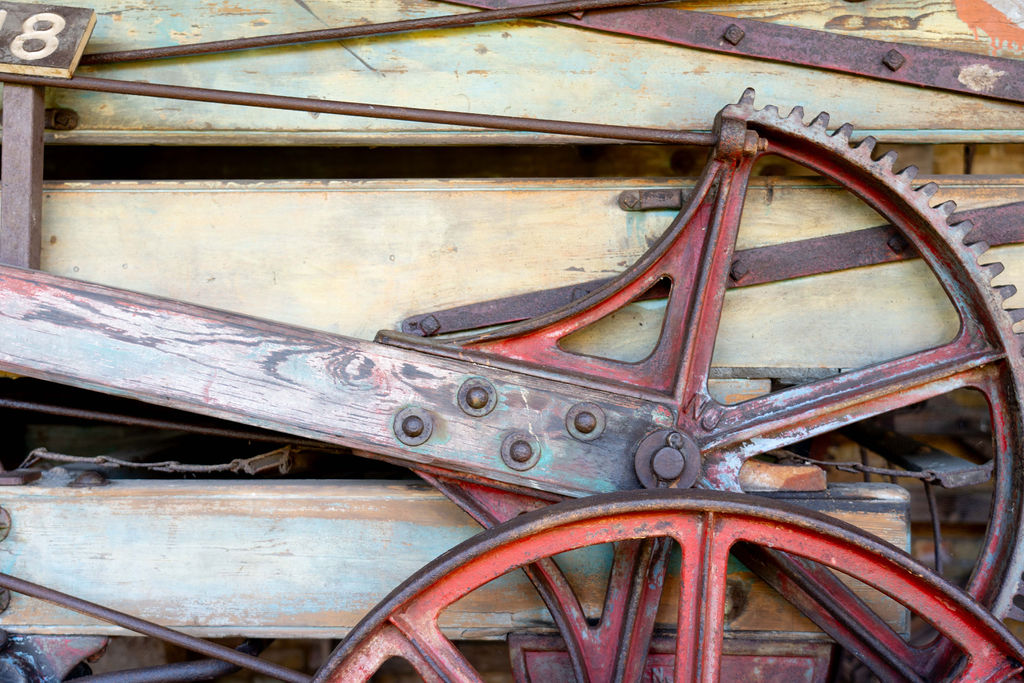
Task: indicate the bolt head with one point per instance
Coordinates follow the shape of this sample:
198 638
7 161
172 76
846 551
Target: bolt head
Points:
412 425
585 422
738 271
629 199
520 451
430 325
477 397
893 59
668 464
897 244
734 34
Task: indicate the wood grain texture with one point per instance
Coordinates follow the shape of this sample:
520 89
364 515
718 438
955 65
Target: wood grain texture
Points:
525 68
355 257
298 558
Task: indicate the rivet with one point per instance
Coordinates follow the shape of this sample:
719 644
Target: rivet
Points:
429 325
413 426
585 421
738 271
5 602
897 244
629 199
5 523
520 450
477 397
710 418
894 60
734 34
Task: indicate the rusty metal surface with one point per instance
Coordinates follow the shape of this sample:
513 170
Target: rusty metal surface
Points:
983 76
44 659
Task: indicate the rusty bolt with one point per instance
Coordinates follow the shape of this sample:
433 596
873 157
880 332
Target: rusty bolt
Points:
429 326
897 244
5 523
477 397
710 418
738 271
60 119
88 479
629 200
734 34
894 60
520 450
585 421
413 426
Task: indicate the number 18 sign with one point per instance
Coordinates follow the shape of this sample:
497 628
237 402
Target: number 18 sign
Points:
43 40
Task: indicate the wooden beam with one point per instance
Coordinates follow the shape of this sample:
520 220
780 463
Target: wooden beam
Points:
306 559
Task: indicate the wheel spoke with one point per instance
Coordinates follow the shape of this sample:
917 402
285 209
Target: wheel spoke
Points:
702 586
824 599
778 419
436 651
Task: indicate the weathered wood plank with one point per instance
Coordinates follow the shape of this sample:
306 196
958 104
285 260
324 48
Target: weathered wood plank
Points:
304 558
521 68
355 257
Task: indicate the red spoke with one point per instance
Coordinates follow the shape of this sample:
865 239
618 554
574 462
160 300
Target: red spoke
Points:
443 658
701 625
773 421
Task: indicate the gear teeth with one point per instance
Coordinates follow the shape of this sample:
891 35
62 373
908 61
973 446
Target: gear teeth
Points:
947 207
993 269
771 110
867 146
821 120
844 131
797 114
887 160
979 248
928 190
1016 314
961 229
1005 291
747 97
908 174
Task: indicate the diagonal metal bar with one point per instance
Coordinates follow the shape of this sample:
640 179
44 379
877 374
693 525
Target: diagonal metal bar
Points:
152 630
358 31
373 111
928 67
996 225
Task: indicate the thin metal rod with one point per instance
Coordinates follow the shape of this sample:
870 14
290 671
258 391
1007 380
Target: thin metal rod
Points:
121 418
178 672
363 31
376 111
933 510
152 630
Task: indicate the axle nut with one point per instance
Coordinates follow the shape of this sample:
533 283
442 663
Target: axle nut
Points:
667 458
477 397
413 426
585 421
520 450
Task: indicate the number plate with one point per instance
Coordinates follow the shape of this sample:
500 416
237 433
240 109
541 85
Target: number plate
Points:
43 40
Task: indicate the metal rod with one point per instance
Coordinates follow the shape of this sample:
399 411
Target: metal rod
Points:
152 630
120 418
363 31
933 510
178 672
375 111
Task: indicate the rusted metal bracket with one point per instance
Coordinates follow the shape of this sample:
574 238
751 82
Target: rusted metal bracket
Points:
21 175
882 244
928 67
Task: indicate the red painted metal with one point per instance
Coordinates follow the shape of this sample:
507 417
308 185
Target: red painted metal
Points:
706 526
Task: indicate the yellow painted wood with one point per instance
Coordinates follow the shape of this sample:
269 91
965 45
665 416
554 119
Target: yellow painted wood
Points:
355 257
302 558
525 68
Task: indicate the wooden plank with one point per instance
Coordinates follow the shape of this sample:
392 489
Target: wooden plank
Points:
355 257
304 558
522 68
